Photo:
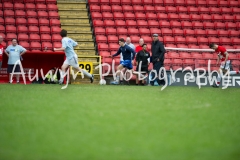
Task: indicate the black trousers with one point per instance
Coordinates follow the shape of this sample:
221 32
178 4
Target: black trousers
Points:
157 66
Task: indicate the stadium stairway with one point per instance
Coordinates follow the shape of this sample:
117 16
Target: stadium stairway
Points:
74 18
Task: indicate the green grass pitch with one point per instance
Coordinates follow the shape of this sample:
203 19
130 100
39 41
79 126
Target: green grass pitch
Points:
93 122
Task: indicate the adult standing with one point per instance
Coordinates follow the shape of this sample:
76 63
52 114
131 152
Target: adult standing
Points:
158 52
1 51
14 53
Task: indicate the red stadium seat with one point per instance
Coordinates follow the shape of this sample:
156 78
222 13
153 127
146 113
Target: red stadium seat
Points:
25 45
144 31
212 3
186 25
42 14
155 31
10 36
153 24
175 24
192 10
1 13
217 18
52 7
142 23
232 3
233 33
44 30
211 33
170 9
162 16
160 9
30 6
190 2
237 18
182 9
151 16
222 33
34 37
56 38
109 23
179 2
222 3
55 29
32 21
180 40
193 46
235 11
120 23
104 53
127 8
225 10
2 28
149 9
168 39
225 41
9 21
203 46
47 45
208 25
195 17
8 5
206 17
197 25
107 15
43 22
118 15
203 10
106 8
158 2
176 64
201 3
101 39
10 29
166 32
137 8
214 10
112 39
184 55
33 29
171 45
147 2
105 2
111 31
95 8
21 21
184 17
230 25
19 6
2 22
22 29
121 31
35 46
31 14
22 37
202 40
41 7
39 1
20 14
134 38
8 13
173 16
235 41
115 2
99 31
177 32
53 14
182 46
200 32
113 47
213 40
164 24
93 2
129 16
140 16
168 2
55 22
117 8
189 32
133 31
228 18
131 23
96 23
191 40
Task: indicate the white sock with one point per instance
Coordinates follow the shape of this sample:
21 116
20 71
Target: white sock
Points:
86 73
233 72
117 78
61 76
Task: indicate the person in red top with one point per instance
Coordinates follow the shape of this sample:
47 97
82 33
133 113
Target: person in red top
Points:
223 56
139 48
1 51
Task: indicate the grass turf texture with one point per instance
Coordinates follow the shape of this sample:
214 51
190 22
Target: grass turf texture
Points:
118 122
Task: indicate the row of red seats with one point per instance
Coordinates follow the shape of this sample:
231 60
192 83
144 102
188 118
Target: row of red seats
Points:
33 37
30 29
29 14
167 32
11 26
163 16
209 3
28 6
162 9
166 24
29 1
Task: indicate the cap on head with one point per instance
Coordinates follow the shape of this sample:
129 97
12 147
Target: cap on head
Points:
155 35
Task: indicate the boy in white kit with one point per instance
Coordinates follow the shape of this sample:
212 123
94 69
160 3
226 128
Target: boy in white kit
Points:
71 57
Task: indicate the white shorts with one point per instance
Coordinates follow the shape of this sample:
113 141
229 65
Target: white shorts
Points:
227 66
72 62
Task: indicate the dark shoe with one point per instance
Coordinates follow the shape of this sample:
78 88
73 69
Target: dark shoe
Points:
215 85
92 79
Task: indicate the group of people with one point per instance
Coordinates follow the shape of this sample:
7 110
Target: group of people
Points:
127 50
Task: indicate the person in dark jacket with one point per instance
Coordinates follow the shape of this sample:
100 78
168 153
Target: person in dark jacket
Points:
158 52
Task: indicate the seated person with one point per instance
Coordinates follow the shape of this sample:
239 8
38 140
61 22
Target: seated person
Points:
52 79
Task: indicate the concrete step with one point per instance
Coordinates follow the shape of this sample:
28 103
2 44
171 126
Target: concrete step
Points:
85 45
71 1
79 13
79 22
72 6
86 52
80 37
